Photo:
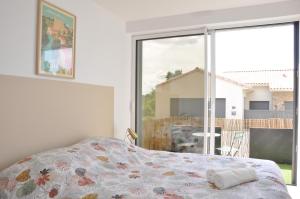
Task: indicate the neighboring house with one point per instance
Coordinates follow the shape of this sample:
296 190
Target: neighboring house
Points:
262 90
269 89
183 96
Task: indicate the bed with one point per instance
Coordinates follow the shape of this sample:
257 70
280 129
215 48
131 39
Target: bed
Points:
110 168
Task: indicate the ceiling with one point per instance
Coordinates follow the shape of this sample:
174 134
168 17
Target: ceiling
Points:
130 10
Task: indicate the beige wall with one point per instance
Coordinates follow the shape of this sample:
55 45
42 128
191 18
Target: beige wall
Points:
280 97
259 93
189 86
37 115
263 93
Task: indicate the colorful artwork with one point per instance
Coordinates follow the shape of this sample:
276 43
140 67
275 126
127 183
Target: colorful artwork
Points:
56 45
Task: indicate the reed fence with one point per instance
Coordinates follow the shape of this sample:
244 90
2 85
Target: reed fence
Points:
157 132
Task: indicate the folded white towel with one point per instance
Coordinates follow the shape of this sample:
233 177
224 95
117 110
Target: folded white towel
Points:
210 173
224 179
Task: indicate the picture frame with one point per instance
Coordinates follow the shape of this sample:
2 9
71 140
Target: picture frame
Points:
56 41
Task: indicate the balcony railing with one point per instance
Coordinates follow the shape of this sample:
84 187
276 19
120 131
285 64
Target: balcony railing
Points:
265 114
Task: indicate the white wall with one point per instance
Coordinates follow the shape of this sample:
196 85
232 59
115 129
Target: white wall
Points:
234 96
102 48
221 17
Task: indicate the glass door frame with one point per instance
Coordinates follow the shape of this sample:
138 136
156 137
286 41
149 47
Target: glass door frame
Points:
137 81
296 101
137 60
212 95
296 138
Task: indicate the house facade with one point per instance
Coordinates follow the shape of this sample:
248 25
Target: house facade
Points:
238 94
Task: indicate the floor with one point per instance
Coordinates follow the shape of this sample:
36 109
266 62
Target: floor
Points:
286 170
294 191
287 174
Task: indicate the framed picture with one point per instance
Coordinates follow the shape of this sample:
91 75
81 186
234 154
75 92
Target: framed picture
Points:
56 41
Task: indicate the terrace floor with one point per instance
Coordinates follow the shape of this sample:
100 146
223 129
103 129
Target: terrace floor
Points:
286 170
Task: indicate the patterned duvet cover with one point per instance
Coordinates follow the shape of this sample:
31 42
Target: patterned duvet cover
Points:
110 168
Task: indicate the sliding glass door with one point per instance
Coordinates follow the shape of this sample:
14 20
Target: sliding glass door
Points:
230 92
255 72
172 99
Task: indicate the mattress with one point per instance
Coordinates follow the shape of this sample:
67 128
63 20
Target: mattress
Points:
110 168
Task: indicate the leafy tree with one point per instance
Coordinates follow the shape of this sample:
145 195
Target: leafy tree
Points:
149 104
173 74
149 99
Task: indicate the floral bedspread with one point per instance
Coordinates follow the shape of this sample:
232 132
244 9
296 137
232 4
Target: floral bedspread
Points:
110 168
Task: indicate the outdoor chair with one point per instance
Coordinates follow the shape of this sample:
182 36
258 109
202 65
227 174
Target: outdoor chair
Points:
234 146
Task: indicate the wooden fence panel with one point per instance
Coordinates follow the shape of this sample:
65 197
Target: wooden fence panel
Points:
157 132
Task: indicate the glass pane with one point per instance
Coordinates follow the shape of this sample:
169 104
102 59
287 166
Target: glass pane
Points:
173 94
255 88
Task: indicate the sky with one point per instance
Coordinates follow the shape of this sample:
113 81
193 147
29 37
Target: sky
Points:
269 47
